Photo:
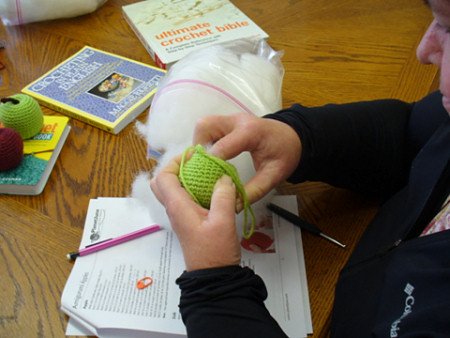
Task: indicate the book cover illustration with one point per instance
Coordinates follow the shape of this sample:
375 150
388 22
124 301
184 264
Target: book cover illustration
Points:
170 29
99 88
40 153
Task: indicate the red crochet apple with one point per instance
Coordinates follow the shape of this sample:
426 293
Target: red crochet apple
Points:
11 149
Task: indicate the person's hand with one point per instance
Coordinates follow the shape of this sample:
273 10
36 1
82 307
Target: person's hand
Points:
208 237
274 146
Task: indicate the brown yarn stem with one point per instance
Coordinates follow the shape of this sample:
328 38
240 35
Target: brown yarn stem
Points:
9 99
38 152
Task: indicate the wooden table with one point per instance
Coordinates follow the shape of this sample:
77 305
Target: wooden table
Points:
334 51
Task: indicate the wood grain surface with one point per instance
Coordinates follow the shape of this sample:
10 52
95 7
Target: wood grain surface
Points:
335 51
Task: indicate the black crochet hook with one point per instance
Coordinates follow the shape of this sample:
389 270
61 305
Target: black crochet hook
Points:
301 223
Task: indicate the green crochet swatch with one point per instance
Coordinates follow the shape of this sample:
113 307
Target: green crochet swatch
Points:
29 172
199 175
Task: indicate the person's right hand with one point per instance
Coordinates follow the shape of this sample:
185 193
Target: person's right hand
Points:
208 238
274 146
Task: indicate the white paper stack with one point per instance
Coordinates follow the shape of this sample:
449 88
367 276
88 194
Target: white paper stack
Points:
101 295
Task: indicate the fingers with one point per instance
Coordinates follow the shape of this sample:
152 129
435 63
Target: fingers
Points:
166 177
179 204
227 133
209 129
274 146
259 186
265 139
166 183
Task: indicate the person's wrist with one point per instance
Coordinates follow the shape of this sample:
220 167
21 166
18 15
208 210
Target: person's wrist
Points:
206 260
212 271
201 267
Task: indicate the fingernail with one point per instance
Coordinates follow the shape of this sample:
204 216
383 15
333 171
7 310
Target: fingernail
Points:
213 151
225 179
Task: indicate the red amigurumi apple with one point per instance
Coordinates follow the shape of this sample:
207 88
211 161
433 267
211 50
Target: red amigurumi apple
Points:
11 149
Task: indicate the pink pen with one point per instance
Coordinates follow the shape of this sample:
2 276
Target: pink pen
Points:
113 241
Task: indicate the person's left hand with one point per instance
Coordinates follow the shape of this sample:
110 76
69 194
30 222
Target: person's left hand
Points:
208 237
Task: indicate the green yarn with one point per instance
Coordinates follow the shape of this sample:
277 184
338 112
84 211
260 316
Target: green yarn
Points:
199 175
25 117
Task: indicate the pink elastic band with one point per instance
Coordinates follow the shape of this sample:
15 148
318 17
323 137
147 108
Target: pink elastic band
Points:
19 12
239 103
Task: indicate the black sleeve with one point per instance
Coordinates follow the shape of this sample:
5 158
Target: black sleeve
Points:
225 302
360 146
364 146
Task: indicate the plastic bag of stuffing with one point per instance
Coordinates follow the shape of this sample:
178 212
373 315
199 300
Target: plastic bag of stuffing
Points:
239 76
18 12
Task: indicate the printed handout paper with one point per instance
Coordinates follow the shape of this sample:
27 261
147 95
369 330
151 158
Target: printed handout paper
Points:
101 295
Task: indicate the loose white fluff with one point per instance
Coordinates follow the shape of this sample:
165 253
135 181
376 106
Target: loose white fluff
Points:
218 80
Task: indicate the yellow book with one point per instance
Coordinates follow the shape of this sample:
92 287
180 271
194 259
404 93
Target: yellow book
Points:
102 89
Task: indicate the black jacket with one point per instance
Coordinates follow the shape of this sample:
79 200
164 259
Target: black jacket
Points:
395 283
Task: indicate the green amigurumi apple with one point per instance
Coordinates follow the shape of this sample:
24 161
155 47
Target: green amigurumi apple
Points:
199 174
23 114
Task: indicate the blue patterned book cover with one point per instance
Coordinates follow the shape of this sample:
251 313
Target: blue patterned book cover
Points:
105 90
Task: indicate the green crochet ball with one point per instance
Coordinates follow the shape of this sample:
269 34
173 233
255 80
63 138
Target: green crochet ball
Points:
199 175
23 114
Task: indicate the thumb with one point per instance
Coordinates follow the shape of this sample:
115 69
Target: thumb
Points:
223 200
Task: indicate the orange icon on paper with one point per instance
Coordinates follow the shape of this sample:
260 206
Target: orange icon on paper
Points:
144 282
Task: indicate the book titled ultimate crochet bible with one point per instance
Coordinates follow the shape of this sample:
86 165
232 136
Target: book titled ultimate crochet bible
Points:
170 29
40 154
102 89
104 295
